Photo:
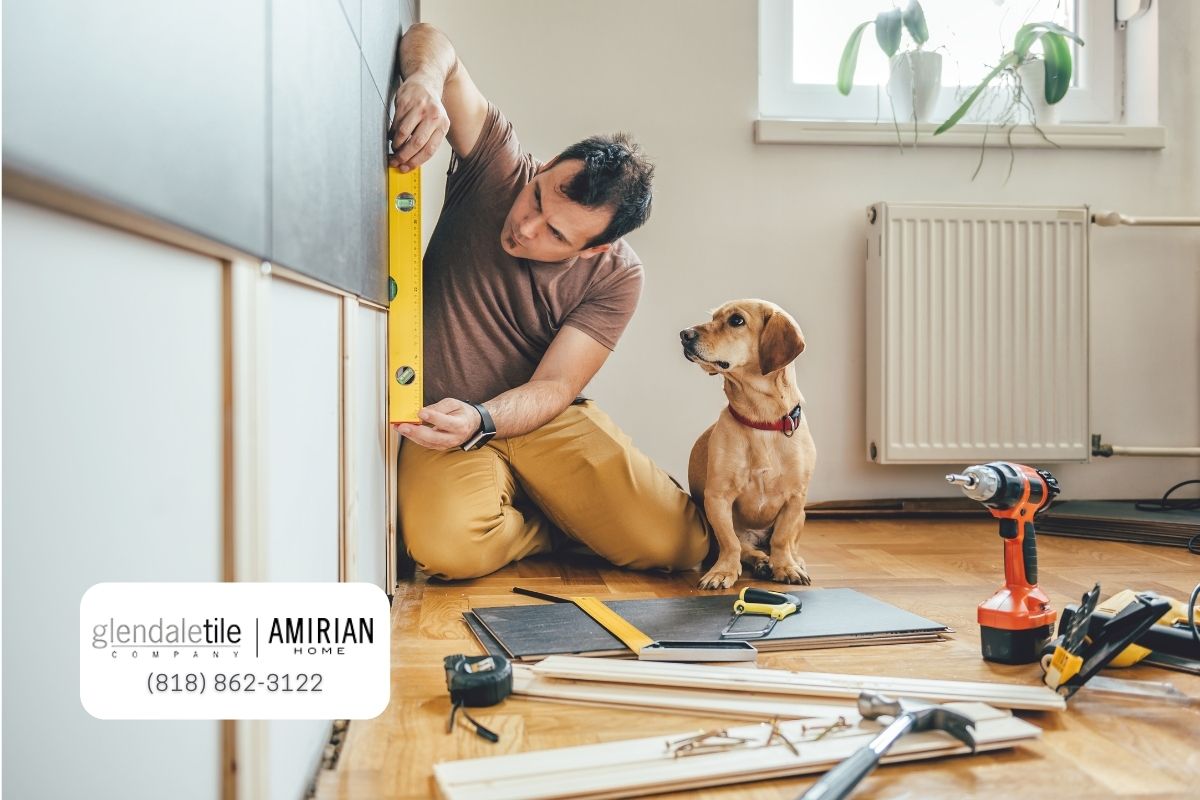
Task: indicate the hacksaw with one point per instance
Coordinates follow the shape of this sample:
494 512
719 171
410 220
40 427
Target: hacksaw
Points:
406 374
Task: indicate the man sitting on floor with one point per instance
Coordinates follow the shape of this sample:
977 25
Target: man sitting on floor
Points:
528 286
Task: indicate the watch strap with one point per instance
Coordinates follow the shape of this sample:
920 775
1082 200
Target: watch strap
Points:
484 433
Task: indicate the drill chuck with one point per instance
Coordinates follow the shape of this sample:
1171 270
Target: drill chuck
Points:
979 482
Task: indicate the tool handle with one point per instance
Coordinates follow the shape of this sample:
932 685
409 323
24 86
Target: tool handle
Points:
751 596
840 781
1020 552
1029 553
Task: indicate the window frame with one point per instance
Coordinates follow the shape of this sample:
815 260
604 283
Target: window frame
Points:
1093 101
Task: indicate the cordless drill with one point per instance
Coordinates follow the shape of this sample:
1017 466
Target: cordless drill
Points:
1016 621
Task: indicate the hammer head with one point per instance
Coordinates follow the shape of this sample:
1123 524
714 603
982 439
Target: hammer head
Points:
921 716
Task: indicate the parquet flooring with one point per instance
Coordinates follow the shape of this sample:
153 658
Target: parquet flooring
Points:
937 568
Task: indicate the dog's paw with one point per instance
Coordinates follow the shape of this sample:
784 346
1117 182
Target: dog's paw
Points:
721 576
791 573
762 569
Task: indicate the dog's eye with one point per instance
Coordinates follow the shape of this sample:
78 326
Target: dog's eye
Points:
737 320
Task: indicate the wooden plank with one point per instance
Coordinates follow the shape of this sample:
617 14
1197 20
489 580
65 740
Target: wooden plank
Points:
1035 698
526 683
639 766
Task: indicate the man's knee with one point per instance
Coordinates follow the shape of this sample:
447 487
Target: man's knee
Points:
439 558
447 545
681 548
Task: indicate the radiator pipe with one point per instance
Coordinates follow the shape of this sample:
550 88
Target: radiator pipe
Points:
1106 450
1111 219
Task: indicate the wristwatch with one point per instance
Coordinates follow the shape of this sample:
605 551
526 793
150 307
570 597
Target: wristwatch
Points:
487 429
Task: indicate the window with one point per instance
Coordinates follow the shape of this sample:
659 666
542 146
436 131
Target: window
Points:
801 42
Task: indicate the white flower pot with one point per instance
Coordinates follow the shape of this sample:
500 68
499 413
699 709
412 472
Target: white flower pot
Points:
1033 80
914 85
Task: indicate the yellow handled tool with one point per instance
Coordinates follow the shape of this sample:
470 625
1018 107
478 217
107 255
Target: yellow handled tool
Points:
762 602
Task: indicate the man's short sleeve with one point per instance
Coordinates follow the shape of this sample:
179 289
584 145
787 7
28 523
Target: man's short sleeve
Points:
495 160
608 307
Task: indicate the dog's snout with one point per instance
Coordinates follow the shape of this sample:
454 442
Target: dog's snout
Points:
688 335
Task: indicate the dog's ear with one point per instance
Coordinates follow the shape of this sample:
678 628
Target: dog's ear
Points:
779 343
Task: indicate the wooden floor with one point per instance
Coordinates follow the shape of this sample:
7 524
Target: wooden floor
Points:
937 568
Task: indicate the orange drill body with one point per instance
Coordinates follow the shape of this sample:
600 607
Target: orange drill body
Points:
1017 620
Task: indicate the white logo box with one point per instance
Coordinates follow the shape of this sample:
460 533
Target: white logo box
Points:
234 651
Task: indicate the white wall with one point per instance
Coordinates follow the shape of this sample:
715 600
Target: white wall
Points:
736 219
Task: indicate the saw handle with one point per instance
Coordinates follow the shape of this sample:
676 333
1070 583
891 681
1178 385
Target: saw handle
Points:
769 604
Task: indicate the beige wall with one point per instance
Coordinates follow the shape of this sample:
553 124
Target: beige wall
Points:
784 222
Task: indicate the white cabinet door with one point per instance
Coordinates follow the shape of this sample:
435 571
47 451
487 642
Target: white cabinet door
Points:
370 446
112 472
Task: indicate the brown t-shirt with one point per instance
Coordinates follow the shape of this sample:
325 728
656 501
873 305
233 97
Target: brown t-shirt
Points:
489 317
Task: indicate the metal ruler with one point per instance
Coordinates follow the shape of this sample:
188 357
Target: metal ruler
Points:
614 623
406 375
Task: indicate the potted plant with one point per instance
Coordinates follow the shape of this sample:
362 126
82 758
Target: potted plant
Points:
915 77
1030 85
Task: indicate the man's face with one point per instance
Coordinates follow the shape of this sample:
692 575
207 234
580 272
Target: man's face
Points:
544 225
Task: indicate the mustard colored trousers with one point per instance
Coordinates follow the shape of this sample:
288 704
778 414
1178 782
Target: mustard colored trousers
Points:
578 477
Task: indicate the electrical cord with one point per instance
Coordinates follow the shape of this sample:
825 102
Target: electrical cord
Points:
1185 504
1165 503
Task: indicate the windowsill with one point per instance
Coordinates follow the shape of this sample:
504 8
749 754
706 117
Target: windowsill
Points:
1077 136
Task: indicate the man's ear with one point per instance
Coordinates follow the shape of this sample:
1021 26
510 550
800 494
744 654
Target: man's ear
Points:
595 251
779 343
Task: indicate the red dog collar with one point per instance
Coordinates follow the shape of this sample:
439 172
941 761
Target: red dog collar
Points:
786 424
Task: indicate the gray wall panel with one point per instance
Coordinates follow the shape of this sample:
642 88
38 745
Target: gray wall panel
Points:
374 188
251 122
353 9
381 20
316 142
158 106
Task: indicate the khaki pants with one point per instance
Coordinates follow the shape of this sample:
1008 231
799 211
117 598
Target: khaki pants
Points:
468 514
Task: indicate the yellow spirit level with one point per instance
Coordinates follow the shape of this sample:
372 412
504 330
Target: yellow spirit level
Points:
406 375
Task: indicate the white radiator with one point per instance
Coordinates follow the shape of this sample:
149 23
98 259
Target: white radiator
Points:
977 333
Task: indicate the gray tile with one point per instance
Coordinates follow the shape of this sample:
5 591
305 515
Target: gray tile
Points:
374 191
316 143
161 107
381 25
353 9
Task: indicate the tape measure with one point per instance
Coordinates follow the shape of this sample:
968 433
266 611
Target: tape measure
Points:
406 376
476 681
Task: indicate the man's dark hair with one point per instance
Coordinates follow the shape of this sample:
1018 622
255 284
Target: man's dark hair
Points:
615 175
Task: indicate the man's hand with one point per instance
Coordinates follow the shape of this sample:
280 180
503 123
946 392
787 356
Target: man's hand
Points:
419 125
448 423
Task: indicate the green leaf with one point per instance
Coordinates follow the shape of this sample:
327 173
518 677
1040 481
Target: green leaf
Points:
1057 55
1008 61
887 31
1029 34
914 20
845 79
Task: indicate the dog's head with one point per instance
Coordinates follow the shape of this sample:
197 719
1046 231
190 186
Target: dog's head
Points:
744 336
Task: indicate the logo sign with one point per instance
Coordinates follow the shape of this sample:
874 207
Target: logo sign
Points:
234 651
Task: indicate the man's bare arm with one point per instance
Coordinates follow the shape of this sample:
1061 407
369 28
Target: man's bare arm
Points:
571 361
437 100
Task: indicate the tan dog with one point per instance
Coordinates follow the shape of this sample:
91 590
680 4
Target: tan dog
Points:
751 475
